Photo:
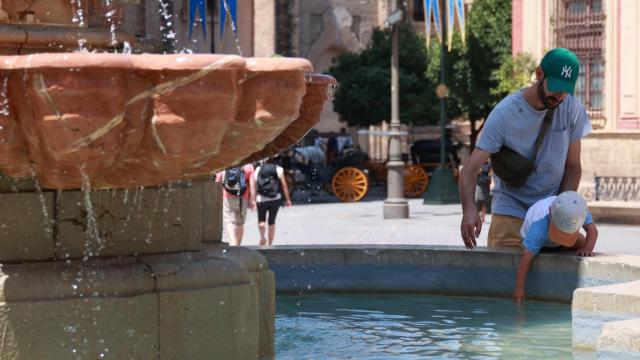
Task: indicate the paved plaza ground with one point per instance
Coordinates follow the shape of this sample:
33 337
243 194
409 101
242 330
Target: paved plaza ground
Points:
324 220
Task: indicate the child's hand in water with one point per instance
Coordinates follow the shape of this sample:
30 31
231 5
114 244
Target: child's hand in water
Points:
518 296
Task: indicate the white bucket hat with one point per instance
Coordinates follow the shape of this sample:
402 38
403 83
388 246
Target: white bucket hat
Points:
568 213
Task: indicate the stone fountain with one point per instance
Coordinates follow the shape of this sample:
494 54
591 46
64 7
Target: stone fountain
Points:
135 268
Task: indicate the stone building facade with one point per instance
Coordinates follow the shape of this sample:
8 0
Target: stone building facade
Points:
321 30
605 34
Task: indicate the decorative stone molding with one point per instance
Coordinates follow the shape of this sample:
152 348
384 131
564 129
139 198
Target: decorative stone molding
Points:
125 121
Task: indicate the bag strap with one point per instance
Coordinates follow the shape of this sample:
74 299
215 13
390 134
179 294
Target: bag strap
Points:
548 117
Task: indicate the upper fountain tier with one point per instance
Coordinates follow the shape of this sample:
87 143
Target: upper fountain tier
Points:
136 120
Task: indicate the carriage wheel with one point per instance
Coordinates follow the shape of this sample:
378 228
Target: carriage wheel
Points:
350 184
416 181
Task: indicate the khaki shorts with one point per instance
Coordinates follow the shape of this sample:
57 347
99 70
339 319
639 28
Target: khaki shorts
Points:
234 210
504 231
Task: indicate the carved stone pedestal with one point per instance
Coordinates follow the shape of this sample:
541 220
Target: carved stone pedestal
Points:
148 279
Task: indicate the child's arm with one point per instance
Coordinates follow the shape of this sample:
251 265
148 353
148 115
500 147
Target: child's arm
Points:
590 240
523 269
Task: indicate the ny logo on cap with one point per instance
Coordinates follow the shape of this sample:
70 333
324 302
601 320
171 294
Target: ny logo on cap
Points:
566 71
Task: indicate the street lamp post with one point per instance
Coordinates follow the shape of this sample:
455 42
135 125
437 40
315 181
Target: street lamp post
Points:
395 206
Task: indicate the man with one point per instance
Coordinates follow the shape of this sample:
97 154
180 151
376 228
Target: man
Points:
516 122
238 190
311 160
344 141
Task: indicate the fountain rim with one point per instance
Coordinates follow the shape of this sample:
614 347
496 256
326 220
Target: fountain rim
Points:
152 62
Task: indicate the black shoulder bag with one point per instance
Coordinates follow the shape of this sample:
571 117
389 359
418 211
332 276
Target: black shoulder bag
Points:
512 167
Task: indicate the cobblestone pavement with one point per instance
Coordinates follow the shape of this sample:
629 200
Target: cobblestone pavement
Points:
323 220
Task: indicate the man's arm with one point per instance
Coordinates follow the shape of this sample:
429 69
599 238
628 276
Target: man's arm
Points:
471 224
523 270
572 168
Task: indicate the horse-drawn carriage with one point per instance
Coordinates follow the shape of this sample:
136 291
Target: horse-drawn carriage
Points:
345 176
350 175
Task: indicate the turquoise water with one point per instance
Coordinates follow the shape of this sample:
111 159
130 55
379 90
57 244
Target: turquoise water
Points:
386 326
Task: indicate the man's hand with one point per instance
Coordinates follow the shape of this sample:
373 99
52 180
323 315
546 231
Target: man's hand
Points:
471 224
253 205
288 204
585 251
470 228
518 296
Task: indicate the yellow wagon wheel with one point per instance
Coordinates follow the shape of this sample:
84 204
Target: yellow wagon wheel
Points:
350 184
416 181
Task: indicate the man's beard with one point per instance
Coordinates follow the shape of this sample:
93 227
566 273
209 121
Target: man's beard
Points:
545 99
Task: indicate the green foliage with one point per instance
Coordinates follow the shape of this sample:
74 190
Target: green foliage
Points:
363 96
514 74
473 72
489 42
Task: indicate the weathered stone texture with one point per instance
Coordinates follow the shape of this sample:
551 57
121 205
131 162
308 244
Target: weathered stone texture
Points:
171 306
26 226
125 121
153 220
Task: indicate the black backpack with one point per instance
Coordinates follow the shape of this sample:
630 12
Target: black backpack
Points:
234 181
268 184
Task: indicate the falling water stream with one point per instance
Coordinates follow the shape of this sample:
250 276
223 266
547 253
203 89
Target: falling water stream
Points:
78 14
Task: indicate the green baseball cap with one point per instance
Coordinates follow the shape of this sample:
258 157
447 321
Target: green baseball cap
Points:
561 67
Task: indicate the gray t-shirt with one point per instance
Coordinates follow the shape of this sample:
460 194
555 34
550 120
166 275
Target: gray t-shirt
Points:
514 123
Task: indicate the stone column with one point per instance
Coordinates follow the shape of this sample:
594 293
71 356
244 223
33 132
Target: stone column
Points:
264 28
128 274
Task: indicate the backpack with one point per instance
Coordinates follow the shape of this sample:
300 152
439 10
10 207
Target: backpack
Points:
267 182
235 181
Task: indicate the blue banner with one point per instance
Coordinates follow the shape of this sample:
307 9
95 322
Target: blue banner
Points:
460 12
427 21
197 5
228 8
451 9
436 18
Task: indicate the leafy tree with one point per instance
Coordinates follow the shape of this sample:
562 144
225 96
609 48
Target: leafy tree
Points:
488 45
478 75
363 97
514 74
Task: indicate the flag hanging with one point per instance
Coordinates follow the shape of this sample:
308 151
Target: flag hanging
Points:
460 13
427 20
197 5
436 18
229 8
451 8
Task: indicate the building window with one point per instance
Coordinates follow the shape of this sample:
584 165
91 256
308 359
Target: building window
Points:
579 26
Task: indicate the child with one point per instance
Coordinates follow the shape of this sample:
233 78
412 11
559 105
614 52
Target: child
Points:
552 222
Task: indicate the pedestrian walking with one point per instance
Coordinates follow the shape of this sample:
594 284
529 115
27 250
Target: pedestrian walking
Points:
270 184
238 191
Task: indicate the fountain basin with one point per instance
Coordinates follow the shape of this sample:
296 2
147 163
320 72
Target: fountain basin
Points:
603 291
125 121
